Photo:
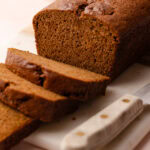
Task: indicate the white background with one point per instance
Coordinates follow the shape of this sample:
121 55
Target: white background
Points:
16 14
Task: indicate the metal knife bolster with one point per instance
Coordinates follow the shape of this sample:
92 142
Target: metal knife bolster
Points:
104 126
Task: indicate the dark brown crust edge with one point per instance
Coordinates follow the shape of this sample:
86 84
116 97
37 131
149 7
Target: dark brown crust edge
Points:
56 82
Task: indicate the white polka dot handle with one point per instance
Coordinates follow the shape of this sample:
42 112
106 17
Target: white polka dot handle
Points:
104 126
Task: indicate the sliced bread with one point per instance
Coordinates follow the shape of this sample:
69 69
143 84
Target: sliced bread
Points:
58 77
14 126
32 100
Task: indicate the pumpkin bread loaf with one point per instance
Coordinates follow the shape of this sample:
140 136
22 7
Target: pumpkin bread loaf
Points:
58 77
103 36
32 100
14 126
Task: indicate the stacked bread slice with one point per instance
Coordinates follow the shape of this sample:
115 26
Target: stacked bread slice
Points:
14 126
37 88
31 99
58 77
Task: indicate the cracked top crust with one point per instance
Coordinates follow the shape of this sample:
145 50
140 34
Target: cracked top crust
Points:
99 8
119 15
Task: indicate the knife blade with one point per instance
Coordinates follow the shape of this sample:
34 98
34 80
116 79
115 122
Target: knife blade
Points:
144 94
108 123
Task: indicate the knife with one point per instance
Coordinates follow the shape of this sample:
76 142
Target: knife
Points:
99 130
140 127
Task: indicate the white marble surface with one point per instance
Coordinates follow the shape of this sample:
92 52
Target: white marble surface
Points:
15 15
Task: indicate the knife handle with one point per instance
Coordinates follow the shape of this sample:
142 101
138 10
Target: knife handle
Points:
104 126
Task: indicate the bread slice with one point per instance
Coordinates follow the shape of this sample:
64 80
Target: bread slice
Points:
14 126
32 100
58 77
103 36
